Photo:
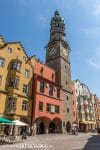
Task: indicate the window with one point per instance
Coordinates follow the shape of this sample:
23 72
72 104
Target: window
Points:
42 85
41 71
24 58
25 88
0 79
12 102
67 98
52 109
48 107
27 73
56 109
16 66
41 106
18 48
14 82
74 113
68 110
50 90
2 62
73 102
24 105
9 49
58 93
52 76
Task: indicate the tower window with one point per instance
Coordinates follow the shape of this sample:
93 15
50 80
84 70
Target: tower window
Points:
67 110
58 93
73 102
67 98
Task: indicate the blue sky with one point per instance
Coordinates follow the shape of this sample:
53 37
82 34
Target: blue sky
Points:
28 21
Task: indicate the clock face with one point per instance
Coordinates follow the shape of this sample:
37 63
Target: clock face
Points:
52 51
65 52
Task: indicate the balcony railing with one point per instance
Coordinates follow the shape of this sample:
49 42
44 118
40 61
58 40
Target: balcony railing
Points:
10 110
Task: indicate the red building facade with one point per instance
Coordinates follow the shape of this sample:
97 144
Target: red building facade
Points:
47 106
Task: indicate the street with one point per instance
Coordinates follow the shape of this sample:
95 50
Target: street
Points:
84 141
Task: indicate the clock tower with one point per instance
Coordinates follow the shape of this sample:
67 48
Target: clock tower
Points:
57 57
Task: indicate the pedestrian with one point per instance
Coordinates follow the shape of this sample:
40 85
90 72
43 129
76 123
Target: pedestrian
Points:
24 135
98 131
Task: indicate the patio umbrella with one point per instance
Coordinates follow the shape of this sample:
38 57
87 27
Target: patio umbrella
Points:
4 120
19 123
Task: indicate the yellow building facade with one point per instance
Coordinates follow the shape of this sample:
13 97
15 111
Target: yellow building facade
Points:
16 77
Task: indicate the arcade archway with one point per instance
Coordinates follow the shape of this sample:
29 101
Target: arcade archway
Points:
68 127
52 127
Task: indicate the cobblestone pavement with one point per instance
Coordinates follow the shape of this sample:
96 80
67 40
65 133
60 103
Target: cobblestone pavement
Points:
84 141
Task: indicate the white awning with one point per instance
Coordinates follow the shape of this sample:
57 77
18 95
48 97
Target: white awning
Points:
19 123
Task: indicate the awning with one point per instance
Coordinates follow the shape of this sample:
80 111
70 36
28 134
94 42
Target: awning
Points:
88 122
19 123
4 120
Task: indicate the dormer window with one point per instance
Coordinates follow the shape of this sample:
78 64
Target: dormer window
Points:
9 49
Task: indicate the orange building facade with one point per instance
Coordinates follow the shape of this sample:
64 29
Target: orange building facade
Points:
47 106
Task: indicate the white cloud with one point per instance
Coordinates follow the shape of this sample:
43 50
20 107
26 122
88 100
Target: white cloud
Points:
94 61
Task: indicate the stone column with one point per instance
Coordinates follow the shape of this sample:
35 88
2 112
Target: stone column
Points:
64 127
47 130
34 129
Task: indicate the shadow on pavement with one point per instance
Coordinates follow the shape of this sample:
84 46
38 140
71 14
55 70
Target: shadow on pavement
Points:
93 143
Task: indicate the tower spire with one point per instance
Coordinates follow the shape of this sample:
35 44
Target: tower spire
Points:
57 31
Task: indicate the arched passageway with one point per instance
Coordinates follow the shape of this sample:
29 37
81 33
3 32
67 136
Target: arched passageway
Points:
68 127
41 128
52 127
44 125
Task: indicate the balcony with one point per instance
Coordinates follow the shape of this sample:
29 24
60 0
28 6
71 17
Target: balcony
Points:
10 111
